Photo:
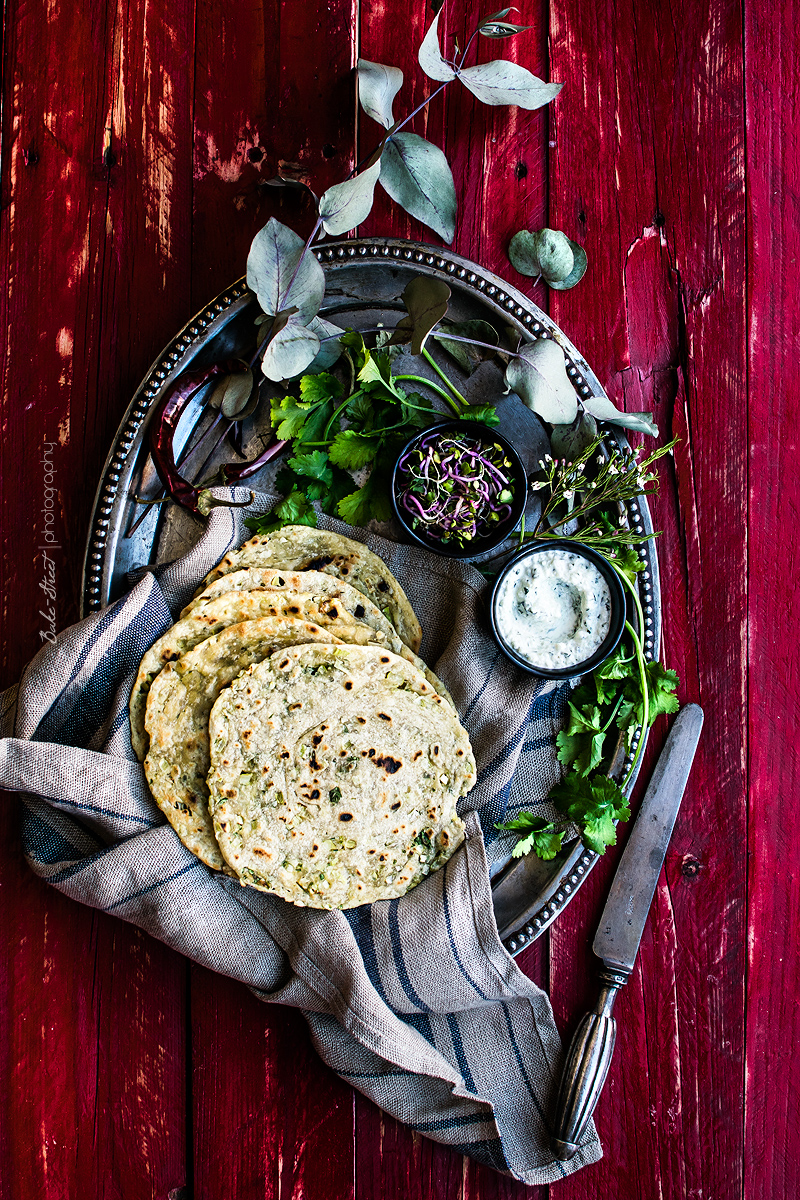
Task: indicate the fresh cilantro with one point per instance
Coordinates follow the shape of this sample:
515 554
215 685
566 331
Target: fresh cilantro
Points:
317 388
352 449
486 413
593 805
314 465
580 744
293 510
369 503
541 836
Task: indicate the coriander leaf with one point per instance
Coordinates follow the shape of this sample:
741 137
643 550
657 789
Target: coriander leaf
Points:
368 503
353 450
342 486
542 837
599 831
285 480
316 421
293 510
290 417
360 411
618 666
418 412
314 465
354 342
374 370
316 388
486 413
661 685
594 805
581 749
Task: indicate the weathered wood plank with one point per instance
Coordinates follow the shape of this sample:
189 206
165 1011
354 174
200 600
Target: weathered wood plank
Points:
772 1095
273 81
648 172
92 1010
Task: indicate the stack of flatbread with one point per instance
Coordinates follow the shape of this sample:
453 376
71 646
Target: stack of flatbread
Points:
290 733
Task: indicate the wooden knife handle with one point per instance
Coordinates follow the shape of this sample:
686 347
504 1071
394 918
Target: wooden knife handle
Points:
588 1060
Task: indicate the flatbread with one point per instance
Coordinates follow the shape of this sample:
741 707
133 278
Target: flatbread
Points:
306 595
229 608
335 775
178 707
302 548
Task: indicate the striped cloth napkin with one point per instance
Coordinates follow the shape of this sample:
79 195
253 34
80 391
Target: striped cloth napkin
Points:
413 1001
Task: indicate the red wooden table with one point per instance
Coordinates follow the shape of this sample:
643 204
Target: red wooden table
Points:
136 139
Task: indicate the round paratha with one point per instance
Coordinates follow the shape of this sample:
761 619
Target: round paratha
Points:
229 608
176 718
335 775
302 548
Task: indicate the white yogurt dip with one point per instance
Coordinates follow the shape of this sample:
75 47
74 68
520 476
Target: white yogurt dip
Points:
554 609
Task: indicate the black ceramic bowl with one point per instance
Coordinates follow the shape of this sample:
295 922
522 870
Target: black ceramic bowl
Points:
616 627
518 487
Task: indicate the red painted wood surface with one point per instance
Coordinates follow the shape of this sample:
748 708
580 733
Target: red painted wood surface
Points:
136 141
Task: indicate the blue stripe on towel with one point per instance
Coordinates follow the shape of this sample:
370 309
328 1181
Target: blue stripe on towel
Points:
152 887
458 1047
453 946
44 844
482 688
399 960
360 922
524 1071
86 709
490 1153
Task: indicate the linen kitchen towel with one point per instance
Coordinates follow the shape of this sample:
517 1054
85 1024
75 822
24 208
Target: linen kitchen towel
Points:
413 1001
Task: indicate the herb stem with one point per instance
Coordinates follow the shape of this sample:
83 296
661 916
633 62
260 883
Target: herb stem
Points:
434 388
645 703
432 363
333 417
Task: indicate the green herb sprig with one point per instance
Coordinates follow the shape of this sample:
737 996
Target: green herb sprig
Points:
335 430
624 693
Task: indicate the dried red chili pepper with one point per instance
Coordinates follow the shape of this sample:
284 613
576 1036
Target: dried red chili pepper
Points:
164 424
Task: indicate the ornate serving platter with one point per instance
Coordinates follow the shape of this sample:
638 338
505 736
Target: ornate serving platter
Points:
364 281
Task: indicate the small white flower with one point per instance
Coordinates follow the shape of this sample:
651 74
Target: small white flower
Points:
548 458
613 469
537 487
623 520
568 495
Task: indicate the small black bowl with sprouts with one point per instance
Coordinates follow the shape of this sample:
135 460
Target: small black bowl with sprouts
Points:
459 488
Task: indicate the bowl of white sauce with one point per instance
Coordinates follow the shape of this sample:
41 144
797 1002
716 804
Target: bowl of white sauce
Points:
557 609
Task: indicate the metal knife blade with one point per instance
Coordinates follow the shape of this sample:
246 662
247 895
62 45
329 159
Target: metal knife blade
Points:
625 913
620 932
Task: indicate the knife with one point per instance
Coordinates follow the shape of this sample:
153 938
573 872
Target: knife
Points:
621 926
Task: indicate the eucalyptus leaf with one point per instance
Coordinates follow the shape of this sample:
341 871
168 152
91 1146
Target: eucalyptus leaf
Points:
274 256
426 299
604 410
467 356
232 394
504 82
578 271
545 252
330 351
501 29
417 176
495 16
430 56
347 204
291 350
570 441
377 87
539 377
522 253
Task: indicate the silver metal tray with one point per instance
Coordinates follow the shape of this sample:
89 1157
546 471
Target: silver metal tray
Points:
364 281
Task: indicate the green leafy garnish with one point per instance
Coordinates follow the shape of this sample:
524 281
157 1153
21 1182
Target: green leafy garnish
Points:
541 836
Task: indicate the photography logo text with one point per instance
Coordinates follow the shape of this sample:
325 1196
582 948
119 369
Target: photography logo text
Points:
48 581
